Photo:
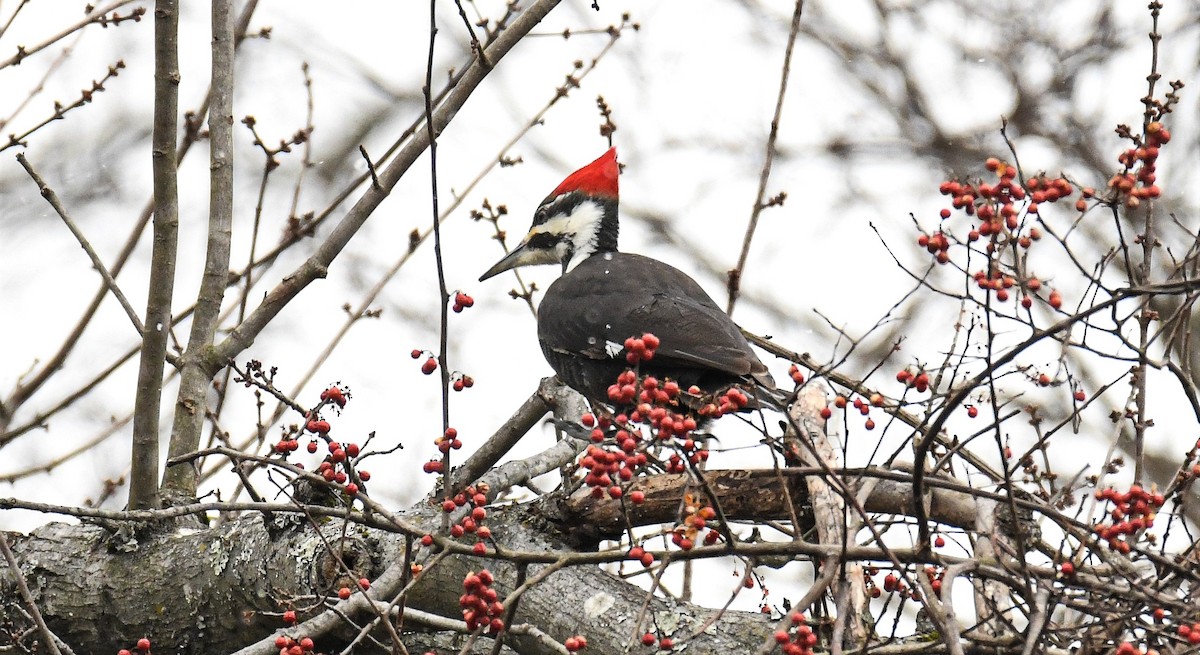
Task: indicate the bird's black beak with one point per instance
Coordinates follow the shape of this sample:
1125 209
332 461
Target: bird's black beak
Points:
522 255
510 261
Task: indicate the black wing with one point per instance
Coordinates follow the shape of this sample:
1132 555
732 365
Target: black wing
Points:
592 309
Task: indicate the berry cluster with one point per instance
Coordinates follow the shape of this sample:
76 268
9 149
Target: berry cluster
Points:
935 575
480 604
1132 512
337 467
666 643
602 464
143 646
461 381
1190 632
1136 181
656 402
334 395
641 349
576 643
796 375
290 646
340 457
892 584
918 380
638 553
345 592
462 301
1127 648
472 522
445 443
995 207
695 524
798 642
863 407
430 364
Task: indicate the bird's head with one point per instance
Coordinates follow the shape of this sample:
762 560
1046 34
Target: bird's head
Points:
577 220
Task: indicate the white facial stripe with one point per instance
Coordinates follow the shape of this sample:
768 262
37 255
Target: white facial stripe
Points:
583 226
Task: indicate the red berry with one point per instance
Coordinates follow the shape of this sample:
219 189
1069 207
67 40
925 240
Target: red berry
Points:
1080 396
364 583
318 426
648 639
637 497
344 593
479 548
352 489
143 644
306 644
939 541
416 354
972 411
429 366
289 617
334 395
280 642
1067 568
666 643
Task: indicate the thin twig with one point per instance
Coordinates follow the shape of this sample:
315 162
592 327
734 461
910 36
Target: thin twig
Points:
735 275
97 263
370 168
49 639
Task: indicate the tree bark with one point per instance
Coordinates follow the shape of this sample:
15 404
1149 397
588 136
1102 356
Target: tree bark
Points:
218 590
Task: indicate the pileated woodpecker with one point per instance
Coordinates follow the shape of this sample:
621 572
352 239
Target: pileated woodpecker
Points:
605 296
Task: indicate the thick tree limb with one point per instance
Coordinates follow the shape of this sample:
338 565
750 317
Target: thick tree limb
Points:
97 590
143 475
195 378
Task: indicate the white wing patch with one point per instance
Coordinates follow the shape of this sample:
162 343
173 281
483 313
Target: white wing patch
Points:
613 348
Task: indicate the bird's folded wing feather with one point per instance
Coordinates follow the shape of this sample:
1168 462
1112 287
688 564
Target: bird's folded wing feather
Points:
592 316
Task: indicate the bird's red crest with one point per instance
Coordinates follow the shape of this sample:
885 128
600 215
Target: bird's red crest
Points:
598 178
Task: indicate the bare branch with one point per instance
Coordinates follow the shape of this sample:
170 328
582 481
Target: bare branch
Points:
143 476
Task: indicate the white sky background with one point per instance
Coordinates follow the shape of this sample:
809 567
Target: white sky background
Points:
692 94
